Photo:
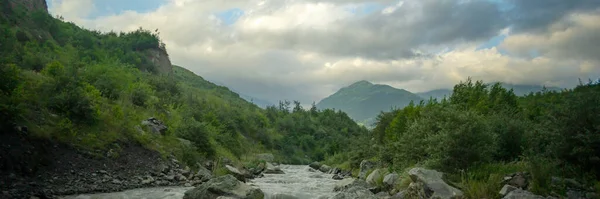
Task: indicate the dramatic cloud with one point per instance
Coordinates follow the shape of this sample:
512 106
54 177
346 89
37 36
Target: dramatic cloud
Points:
307 49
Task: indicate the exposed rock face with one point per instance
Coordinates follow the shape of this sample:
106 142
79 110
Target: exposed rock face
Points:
433 185
227 186
160 59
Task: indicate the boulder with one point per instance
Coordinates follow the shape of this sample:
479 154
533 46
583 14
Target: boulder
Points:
315 165
227 186
433 185
506 189
521 194
365 166
390 180
273 169
374 177
267 157
356 192
325 169
154 125
347 183
236 173
203 174
518 180
337 177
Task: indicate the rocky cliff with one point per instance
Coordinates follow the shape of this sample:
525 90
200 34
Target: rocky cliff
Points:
160 59
30 5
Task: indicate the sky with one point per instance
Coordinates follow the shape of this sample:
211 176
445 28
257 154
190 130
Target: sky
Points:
308 49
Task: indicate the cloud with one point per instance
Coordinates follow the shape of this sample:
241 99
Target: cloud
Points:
307 49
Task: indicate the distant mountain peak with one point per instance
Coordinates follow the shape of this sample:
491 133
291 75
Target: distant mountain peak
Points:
361 83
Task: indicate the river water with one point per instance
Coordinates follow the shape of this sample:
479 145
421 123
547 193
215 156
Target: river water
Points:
297 181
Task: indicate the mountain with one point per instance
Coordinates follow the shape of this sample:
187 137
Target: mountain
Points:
518 89
362 101
257 101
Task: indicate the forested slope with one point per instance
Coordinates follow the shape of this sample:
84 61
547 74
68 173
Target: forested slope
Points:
484 132
92 90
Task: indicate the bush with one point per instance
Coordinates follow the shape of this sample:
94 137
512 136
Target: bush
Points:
198 133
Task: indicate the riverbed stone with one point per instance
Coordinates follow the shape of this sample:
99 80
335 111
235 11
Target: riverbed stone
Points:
390 180
236 173
325 169
347 183
521 194
315 165
374 177
365 167
273 169
433 184
203 174
226 185
356 192
282 196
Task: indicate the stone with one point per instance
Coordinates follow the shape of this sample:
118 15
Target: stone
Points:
374 177
236 173
337 177
188 184
518 181
181 178
273 169
203 174
348 183
356 192
433 183
154 125
226 185
521 194
325 168
315 165
507 189
365 166
170 178
390 180
148 180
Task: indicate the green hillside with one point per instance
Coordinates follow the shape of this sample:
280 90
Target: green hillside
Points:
364 100
92 90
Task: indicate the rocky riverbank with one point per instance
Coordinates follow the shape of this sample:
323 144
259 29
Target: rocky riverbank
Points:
45 169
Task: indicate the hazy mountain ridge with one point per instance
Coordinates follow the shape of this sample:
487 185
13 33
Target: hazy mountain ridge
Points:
363 100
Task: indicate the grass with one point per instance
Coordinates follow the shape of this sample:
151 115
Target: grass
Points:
484 181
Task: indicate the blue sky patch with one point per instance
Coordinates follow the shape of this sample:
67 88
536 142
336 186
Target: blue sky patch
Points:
113 7
365 8
493 42
230 16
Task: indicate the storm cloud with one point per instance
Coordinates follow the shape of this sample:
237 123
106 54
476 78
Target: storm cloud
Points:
307 49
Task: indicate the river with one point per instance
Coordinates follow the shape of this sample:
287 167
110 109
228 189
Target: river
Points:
297 181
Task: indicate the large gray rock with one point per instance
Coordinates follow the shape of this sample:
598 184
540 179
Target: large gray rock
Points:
154 125
506 189
236 173
374 177
521 194
227 186
273 169
315 165
433 184
365 166
203 174
356 192
267 157
347 183
390 180
325 169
